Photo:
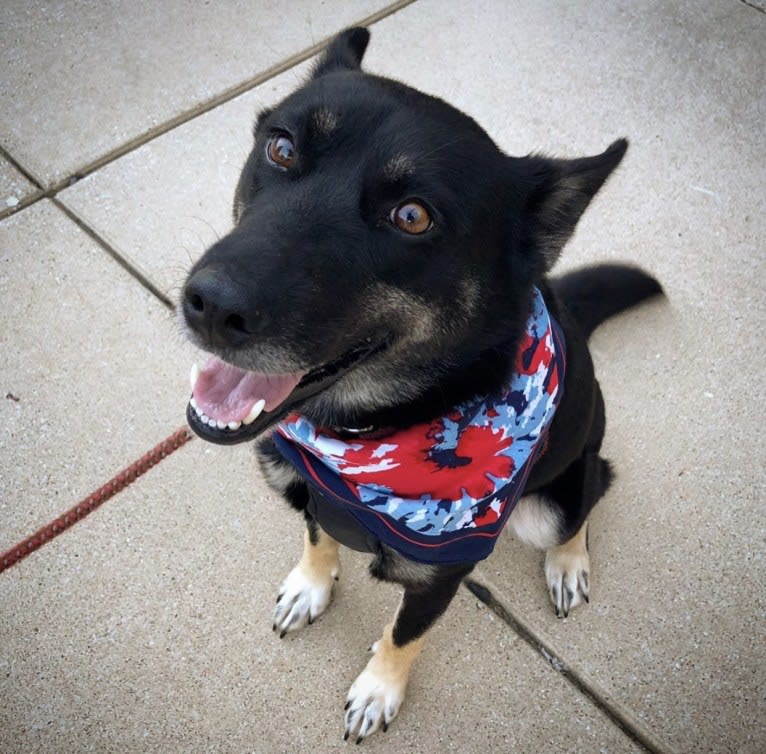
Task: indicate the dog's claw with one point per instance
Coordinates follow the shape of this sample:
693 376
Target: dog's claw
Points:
569 597
568 579
373 702
302 599
582 582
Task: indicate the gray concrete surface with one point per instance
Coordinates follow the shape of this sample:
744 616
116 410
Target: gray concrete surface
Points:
147 626
14 187
94 76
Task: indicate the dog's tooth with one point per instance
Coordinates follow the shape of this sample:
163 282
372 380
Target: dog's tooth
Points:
193 403
212 423
234 425
220 424
255 412
194 375
204 418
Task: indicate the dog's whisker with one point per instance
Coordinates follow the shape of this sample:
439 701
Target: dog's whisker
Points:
216 236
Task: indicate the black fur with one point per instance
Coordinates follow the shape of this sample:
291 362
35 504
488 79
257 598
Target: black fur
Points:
594 294
422 605
315 266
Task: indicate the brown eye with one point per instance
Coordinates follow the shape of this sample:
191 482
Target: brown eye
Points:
281 151
411 217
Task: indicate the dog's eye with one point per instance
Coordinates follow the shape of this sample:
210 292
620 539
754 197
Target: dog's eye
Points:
411 217
280 151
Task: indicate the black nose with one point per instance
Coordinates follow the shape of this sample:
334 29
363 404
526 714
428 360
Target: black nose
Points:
217 308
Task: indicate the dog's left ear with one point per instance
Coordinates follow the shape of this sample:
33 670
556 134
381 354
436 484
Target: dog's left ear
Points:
555 193
345 52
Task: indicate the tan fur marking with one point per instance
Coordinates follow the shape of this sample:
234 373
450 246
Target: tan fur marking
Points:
535 522
575 546
324 121
279 474
398 167
320 559
470 295
385 299
392 663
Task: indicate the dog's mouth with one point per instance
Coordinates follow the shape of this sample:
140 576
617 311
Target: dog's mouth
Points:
230 405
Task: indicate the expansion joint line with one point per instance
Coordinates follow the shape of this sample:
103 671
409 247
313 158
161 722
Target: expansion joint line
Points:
630 726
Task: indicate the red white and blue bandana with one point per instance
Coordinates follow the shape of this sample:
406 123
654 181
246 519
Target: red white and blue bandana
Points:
441 491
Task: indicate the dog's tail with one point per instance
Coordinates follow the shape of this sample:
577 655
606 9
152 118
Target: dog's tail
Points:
593 294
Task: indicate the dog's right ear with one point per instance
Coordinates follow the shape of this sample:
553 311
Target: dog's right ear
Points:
345 52
555 193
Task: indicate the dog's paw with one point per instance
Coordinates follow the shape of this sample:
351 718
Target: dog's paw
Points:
377 694
567 573
303 597
373 701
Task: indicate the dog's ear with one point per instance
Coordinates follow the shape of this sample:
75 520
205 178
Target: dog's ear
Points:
555 193
345 52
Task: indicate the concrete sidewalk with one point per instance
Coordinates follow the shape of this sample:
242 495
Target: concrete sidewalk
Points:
147 626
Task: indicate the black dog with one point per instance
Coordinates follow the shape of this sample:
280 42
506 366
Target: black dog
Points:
382 305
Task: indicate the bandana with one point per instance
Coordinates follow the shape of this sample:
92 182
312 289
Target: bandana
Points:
441 491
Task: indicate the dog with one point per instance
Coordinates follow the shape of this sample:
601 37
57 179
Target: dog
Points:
382 308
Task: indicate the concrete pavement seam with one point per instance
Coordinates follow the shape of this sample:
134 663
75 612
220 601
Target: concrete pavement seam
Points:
136 273
619 716
753 6
184 117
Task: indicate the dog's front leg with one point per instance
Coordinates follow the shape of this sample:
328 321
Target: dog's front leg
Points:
377 694
306 592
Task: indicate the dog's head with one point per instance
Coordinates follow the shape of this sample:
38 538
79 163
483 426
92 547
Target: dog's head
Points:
381 241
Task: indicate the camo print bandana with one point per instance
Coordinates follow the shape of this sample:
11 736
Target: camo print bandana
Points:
441 491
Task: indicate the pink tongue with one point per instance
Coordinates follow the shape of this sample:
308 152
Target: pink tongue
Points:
227 393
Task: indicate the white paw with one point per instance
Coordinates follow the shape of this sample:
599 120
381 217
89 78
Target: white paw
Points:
373 701
568 577
303 597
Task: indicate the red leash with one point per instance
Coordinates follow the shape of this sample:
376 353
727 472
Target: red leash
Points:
101 495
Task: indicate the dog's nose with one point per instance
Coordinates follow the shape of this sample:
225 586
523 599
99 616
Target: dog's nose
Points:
216 307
